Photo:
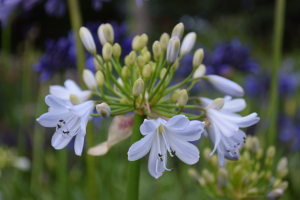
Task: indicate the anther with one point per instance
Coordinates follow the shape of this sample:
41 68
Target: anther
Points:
161 159
61 120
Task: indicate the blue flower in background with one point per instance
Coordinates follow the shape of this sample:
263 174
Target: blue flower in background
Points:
55 8
97 4
290 131
6 8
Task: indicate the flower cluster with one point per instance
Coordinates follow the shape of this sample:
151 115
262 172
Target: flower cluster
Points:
252 178
143 86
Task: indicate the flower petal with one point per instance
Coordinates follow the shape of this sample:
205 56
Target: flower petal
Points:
221 157
214 136
60 92
55 102
60 142
178 121
78 145
72 86
205 101
190 133
235 105
51 119
155 166
140 148
84 108
148 126
84 95
243 122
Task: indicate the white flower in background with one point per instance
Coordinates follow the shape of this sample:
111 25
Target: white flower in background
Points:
89 79
226 86
188 43
171 136
70 88
224 126
69 121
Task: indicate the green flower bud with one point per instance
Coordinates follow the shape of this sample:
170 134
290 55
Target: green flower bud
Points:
282 164
106 52
153 66
143 40
162 73
283 172
131 58
254 176
200 71
237 169
164 40
174 96
248 142
144 50
271 152
116 50
252 191
123 100
99 79
140 61
257 167
110 66
198 57
276 183
147 71
202 181
87 40
74 99
245 179
254 145
183 98
125 72
268 175
194 174
178 31
157 50
284 185
259 154
135 43
96 63
106 34
147 56
103 110
214 160
208 177
126 61
173 50
222 177
138 88
175 65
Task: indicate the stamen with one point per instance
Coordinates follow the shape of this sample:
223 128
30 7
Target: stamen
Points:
167 168
156 167
167 145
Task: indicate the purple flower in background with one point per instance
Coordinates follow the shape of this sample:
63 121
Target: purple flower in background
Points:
290 131
97 4
28 4
55 8
6 8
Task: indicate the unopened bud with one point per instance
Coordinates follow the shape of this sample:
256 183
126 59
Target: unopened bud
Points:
188 43
259 154
198 57
74 99
271 152
140 61
284 185
178 31
120 82
257 167
106 52
126 60
147 71
275 194
131 58
183 98
194 174
116 50
162 73
87 40
144 50
268 175
245 179
214 160
175 65
173 50
174 96
125 72
248 142
164 40
135 43
282 164
254 145
156 48
123 100
276 183
106 34
222 177
208 177
143 40
252 191
147 56
254 176
200 71
138 87
153 66
99 79
89 79
103 110
96 62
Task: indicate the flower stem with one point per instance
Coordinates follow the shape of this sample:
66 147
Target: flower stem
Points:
61 174
134 166
160 83
277 53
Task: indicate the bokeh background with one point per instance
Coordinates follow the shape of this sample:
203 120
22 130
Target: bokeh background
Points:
38 50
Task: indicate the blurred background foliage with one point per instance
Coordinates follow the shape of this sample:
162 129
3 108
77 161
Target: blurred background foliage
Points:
37 50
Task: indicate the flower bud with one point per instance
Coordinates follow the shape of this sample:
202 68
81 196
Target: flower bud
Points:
222 177
175 65
125 72
106 52
164 40
153 66
143 40
156 48
144 50
208 177
97 64
99 79
178 31
147 56
106 34
103 110
183 98
89 79
140 61
173 50
174 96
245 179
120 82
188 43
147 71
200 71
254 145
131 58
198 57
275 194
135 43
284 185
226 86
123 100
268 175
162 73
138 87
254 176
271 152
74 99
282 164
116 50
87 40
126 60
214 161
194 174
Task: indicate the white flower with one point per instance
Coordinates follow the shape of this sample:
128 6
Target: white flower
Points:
171 136
173 50
87 40
70 88
89 79
69 121
226 86
224 129
188 43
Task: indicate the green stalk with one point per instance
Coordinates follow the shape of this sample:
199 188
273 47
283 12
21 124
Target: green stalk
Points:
160 83
277 53
134 166
61 174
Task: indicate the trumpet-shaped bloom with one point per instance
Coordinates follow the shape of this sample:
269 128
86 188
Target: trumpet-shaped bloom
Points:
224 129
162 137
69 121
70 88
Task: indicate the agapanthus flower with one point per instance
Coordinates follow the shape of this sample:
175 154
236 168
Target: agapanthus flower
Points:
6 8
55 8
171 136
224 129
97 4
70 121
